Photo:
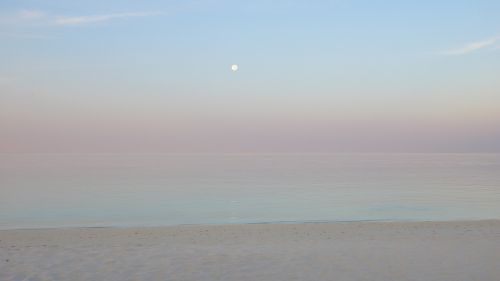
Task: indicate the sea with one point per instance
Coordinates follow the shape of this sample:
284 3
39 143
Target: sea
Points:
128 190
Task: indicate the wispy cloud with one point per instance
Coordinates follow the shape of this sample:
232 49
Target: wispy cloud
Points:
22 17
32 18
472 47
82 20
28 15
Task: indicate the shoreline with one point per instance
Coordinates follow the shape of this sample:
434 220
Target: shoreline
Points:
451 250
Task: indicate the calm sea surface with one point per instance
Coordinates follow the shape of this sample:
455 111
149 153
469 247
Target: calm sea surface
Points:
66 190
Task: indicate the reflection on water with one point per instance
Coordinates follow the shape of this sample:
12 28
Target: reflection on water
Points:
50 190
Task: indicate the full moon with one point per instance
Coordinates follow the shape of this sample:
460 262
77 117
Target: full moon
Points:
234 67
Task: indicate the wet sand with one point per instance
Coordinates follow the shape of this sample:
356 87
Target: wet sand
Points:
338 251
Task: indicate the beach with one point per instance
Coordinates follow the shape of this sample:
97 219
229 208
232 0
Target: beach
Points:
457 250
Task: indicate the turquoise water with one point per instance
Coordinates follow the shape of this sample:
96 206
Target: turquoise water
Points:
67 190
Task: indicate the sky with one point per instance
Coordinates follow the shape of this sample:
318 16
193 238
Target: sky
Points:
314 76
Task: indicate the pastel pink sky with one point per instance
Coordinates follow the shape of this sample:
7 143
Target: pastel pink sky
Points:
39 122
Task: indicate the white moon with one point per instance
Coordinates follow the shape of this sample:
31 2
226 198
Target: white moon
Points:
234 67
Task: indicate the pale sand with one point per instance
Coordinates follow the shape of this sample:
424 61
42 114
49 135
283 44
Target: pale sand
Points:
468 251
